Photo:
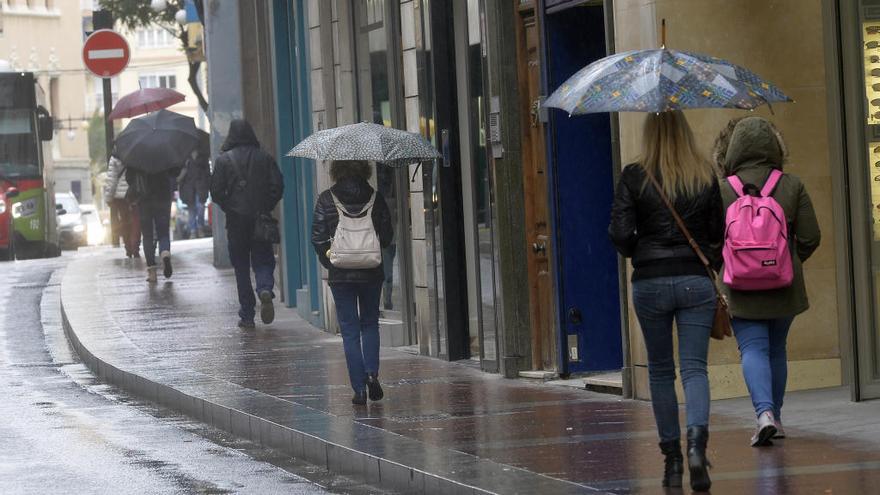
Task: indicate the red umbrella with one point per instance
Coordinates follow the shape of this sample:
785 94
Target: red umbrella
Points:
145 101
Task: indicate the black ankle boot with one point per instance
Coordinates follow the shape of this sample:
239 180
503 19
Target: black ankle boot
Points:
374 388
698 465
674 463
359 398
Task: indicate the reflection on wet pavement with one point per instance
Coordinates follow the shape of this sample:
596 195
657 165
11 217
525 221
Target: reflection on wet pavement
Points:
593 441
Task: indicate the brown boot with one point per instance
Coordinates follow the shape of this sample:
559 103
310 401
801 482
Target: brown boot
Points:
151 274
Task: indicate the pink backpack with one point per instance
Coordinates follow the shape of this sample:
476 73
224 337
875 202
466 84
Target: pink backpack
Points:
756 255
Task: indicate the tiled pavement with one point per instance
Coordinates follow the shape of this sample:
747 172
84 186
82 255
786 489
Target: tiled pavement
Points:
443 427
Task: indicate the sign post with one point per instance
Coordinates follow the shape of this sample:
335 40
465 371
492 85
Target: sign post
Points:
106 54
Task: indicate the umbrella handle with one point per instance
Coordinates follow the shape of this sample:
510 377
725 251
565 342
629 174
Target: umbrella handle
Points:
663 34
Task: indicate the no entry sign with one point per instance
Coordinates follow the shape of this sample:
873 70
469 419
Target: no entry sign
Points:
105 53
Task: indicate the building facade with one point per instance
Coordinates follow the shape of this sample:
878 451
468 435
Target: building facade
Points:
501 254
35 36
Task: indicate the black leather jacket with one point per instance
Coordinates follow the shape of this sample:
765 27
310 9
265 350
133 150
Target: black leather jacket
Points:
642 227
353 194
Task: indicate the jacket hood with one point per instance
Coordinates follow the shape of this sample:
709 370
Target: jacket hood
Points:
753 144
240 134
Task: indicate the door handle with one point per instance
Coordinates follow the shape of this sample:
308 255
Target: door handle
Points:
539 248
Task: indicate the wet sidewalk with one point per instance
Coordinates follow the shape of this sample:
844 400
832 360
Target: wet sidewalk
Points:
443 427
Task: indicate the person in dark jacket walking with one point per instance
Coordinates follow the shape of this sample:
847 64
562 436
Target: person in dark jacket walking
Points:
247 183
356 292
194 184
669 282
762 319
153 194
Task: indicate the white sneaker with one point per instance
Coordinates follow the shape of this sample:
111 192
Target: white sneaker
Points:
765 430
151 274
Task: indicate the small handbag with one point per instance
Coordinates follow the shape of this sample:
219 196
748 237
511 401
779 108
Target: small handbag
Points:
266 229
721 327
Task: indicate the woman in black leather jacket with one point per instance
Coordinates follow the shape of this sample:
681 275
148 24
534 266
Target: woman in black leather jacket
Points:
356 292
669 282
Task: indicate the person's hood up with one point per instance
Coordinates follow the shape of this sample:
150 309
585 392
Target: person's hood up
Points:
240 134
753 144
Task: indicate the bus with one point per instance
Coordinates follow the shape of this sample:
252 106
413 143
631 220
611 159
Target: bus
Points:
27 198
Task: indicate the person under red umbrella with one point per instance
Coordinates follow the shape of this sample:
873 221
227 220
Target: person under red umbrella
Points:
145 101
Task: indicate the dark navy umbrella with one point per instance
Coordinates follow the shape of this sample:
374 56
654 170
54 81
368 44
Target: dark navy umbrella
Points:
157 142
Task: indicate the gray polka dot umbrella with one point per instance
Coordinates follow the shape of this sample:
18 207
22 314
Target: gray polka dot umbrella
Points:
365 141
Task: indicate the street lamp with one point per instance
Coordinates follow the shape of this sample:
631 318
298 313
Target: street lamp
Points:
180 17
158 5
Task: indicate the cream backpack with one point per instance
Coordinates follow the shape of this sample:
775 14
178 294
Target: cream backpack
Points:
355 244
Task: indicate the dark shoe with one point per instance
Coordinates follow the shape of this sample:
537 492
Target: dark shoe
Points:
246 325
267 309
166 261
698 465
360 398
674 463
376 392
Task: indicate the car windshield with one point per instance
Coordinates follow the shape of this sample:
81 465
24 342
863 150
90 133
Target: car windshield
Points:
18 148
68 203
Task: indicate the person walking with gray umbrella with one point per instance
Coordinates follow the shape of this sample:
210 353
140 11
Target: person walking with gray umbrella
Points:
153 148
352 228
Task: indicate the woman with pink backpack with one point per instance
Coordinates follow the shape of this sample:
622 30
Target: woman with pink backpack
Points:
771 229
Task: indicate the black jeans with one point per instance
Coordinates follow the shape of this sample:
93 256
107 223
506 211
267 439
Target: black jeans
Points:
155 221
244 254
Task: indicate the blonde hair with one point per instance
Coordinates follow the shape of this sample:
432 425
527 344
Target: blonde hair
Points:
669 152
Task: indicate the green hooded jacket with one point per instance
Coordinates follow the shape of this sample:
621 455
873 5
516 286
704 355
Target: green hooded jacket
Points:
755 149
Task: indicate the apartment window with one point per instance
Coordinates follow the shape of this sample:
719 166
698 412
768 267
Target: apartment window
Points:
98 101
154 37
158 81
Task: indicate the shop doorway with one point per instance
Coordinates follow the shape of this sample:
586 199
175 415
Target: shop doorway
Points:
477 188
536 194
582 188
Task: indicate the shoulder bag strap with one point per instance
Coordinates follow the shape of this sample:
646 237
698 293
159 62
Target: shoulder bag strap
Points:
684 230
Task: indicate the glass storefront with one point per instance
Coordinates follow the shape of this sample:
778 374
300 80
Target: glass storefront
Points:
378 95
476 182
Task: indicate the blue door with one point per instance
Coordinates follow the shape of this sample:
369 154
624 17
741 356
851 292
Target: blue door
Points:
583 187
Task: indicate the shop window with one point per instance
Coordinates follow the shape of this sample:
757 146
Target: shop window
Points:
379 101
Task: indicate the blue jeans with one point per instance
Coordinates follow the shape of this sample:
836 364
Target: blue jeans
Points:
764 361
245 254
155 227
196 218
357 310
690 302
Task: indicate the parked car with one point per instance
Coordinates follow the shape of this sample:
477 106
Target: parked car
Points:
71 224
96 227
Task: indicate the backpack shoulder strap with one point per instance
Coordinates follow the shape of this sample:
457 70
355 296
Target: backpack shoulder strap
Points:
737 185
369 206
771 183
339 207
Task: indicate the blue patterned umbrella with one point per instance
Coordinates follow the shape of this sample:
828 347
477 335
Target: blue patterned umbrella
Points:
662 80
